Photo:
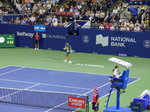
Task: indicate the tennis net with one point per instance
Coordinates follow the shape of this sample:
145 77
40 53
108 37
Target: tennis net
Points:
47 99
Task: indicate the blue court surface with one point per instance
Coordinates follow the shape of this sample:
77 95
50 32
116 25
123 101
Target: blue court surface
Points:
50 80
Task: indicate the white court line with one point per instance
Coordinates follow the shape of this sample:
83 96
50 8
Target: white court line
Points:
19 91
69 71
76 87
88 92
12 71
4 67
45 84
67 101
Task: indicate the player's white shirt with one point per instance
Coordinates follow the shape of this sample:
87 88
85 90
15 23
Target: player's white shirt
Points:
116 73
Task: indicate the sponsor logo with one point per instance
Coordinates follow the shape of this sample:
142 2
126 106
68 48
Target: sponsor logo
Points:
86 39
102 40
25 34
76 102
89 65
135 107
6 98
146 43
44 35
114 41
2 39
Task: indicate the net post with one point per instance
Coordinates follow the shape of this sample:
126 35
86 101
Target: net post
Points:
88 103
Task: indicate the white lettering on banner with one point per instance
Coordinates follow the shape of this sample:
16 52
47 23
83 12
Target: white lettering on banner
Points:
118 44
120 41
123 39
114 41
5 98
44 35
76 101
25 34
90 65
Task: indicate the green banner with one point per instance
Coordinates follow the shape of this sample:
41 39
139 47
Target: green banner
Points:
7 40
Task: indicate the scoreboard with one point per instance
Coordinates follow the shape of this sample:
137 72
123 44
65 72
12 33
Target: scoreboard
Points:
7 40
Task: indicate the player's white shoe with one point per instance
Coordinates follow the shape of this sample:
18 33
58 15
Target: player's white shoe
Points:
70 62
65 61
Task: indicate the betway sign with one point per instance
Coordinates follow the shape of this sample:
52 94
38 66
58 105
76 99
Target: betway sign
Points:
25 34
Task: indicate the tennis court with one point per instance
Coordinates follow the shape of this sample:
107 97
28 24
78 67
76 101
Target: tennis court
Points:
50 80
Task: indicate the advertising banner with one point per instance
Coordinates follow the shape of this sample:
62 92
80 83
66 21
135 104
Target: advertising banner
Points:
7 40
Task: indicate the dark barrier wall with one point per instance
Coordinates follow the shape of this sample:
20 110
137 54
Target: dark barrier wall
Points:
88 40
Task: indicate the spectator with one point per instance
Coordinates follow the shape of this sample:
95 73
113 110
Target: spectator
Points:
79 6
76 29
19 7
126 23
147 19
117 28
131 25
55 23
48 18
112 27
62 9
77 13
65 24
115 11
82 14
122 28
136 28
24 21
127 28
12 21
143 26
17 20
1 3
101 27
28 5
54 19
60 24
72 9
137 23
35 8
141 13
107 27
101 15
42 11
32 19
108 16
49 23
10 11
5 12
48 4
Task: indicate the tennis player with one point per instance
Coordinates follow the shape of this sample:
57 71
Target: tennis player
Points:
68 49
95 101
37 38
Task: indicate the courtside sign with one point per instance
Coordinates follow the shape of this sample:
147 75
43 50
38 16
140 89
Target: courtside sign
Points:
76 102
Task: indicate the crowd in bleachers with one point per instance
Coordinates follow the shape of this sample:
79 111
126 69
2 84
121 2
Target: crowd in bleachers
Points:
60 12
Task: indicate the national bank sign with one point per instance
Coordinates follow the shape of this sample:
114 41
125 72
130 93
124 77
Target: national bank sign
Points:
113 41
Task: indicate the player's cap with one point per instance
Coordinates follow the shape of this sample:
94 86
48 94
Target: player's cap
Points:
95 89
